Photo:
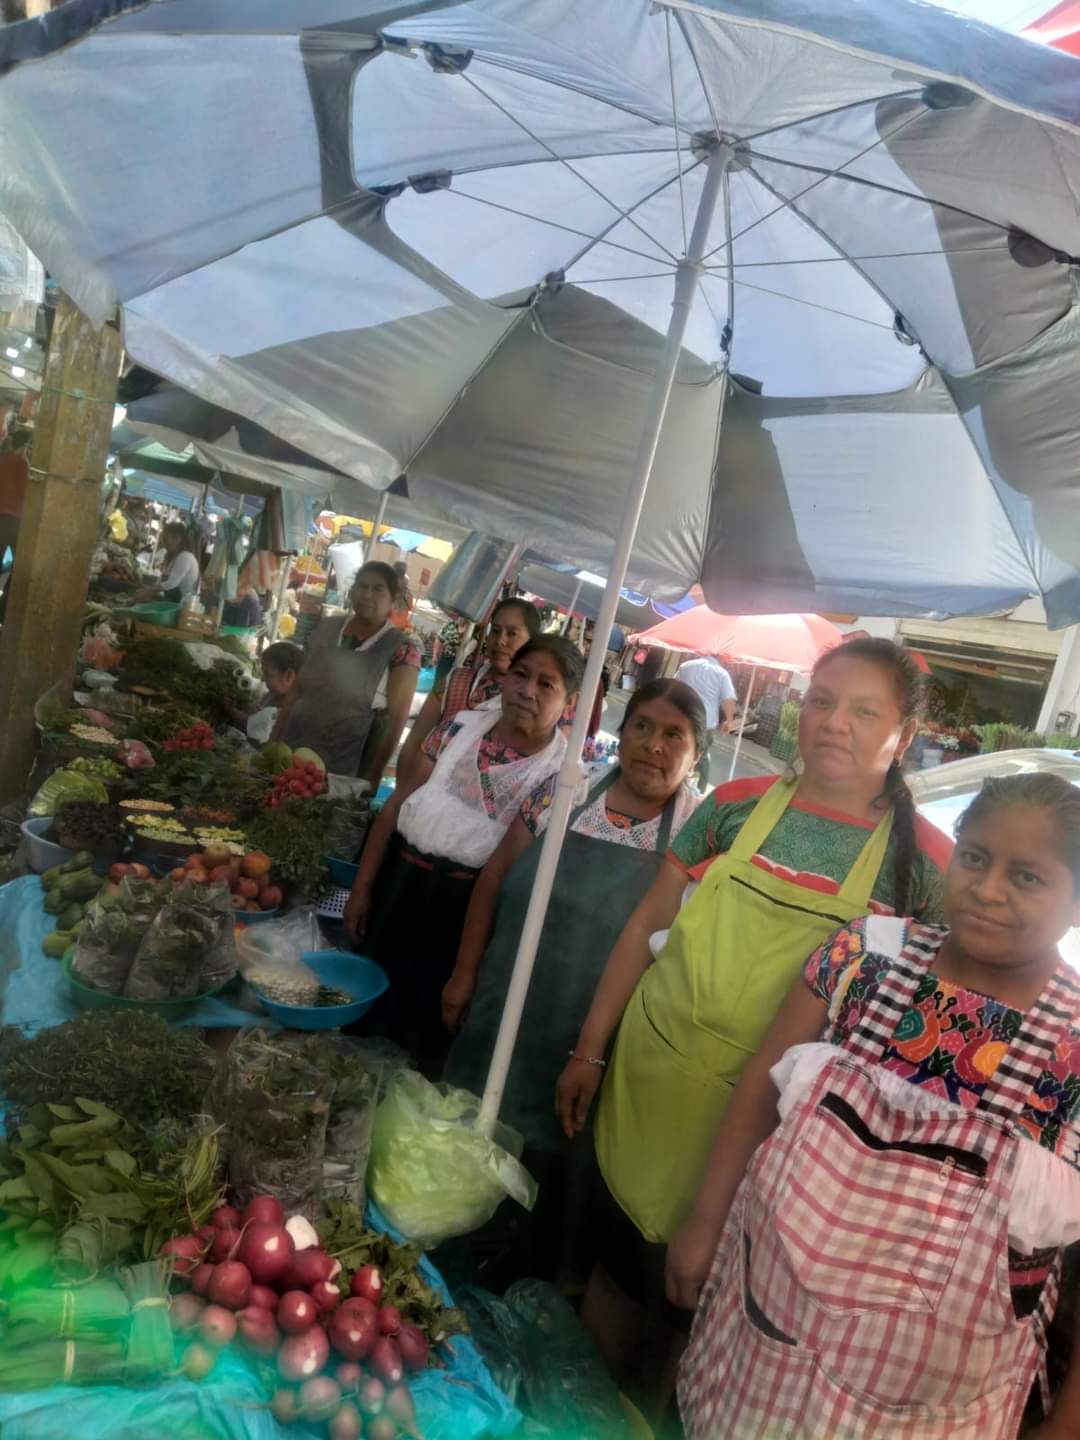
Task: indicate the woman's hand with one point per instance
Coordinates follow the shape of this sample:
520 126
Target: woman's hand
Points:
689 1259
574 1094
456 998
357 913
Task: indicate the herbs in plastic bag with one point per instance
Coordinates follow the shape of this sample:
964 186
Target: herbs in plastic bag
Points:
274 1103
189 949
351 1118
114 929
433 1171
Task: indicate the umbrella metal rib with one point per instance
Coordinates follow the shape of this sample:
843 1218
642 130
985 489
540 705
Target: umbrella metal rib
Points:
626 215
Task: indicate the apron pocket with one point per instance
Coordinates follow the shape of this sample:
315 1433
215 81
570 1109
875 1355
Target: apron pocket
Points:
845 1414
867 1223
762 936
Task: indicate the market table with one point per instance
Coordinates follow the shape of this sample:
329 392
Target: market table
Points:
460 1402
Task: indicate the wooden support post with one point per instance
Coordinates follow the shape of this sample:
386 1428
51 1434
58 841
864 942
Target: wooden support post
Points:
58 530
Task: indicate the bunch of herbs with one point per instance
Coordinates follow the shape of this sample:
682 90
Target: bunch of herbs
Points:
130 1060
296 836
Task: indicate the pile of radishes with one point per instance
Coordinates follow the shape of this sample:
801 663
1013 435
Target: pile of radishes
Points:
265 1281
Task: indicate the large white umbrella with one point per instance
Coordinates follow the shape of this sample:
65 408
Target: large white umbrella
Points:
811 271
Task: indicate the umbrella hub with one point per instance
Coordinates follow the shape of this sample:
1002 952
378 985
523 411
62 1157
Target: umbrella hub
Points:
705 143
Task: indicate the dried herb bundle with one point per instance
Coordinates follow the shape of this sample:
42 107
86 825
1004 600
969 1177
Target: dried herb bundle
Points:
131 1061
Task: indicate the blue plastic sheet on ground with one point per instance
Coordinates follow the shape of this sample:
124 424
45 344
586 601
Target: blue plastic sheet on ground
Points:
33 991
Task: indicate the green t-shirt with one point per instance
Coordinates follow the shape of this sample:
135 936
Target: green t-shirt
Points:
812 847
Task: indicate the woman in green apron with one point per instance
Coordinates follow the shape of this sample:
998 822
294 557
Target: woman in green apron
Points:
777 866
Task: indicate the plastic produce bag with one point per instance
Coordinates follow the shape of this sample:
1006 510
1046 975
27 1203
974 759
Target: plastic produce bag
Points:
351 1120
274 1104
543 1357
433 1171
112 933
189 949
268 956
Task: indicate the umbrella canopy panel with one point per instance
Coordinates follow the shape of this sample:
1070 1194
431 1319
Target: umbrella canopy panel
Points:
440 239
781 642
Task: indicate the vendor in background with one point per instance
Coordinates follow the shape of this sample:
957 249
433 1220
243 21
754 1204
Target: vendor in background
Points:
695 979
180 575
246 611
401 614
614 848
352 698
473 687
438 830
280 665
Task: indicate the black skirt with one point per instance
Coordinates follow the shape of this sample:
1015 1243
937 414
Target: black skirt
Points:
414 929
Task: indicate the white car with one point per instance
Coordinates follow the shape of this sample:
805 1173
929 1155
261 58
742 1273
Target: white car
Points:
944 793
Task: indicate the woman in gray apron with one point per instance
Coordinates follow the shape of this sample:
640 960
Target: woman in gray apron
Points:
357 683
613 849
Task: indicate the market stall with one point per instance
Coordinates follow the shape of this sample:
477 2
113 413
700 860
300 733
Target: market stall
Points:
187 1243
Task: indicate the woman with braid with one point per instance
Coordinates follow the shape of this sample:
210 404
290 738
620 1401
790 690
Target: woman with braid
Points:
760 876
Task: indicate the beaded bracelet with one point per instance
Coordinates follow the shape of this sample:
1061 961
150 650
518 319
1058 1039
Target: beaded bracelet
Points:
587 1059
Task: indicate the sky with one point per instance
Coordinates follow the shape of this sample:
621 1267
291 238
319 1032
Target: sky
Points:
1009 14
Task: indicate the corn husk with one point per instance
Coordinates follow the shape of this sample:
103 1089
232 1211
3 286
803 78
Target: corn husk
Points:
61 1362
97 1311
150 1340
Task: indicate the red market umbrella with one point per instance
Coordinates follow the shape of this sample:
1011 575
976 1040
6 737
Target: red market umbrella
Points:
1059 27
780 642
776 642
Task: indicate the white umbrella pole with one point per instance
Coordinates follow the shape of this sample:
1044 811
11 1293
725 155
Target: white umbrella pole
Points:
742 723
686 281
379 513
570 611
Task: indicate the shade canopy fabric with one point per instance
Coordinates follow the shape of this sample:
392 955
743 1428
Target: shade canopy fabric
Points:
564 590
1059 27
440 238
781 642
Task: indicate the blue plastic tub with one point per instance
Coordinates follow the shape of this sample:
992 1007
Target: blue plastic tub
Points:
353 974
342 872
43 854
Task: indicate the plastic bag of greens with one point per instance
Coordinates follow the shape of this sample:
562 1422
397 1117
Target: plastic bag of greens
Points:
432 1170
112 932
351 1119
274 1103
189 949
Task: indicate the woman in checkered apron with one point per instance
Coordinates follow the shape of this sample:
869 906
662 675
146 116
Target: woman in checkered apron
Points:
875 1255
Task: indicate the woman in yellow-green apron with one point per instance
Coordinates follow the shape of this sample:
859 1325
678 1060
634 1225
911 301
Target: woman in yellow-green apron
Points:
762 874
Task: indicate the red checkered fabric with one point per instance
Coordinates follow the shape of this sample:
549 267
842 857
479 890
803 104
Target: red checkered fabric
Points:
861 1286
